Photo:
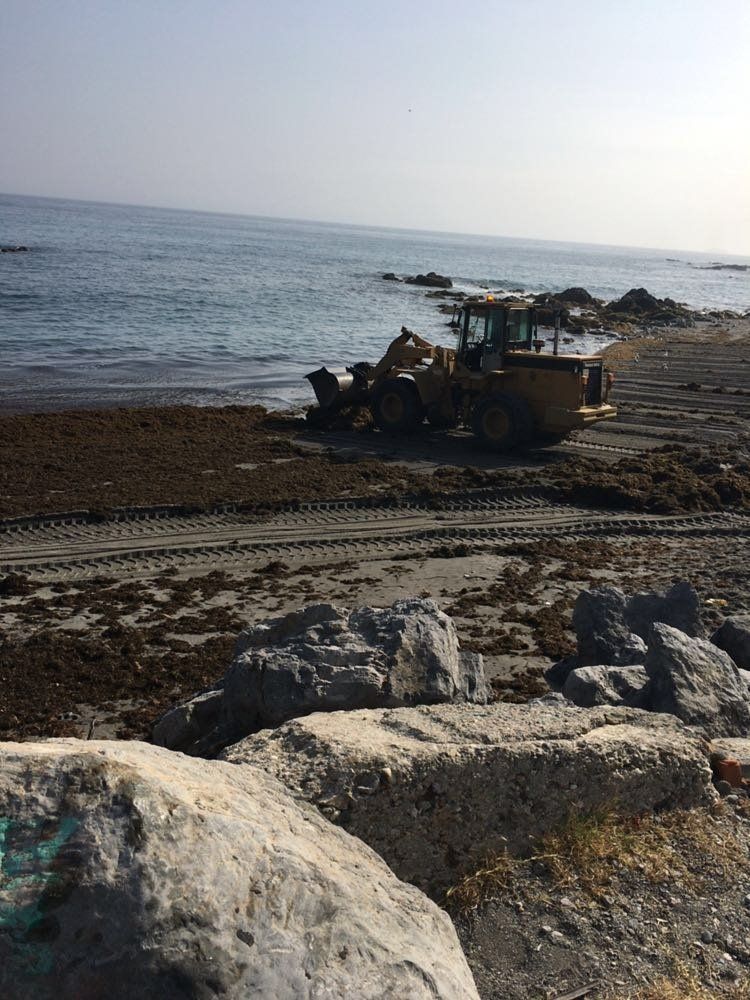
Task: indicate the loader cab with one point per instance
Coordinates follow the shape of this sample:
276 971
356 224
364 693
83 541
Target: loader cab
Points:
488 330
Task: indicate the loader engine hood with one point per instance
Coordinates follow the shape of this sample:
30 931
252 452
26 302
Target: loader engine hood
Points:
556 362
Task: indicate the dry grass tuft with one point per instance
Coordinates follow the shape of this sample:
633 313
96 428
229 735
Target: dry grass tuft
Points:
590 851
485 883
685 984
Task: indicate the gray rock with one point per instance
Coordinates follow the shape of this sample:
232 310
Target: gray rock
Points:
130 871
601 630
193 726
556 698
558 673
734 638
457 782
679 607
697 682
602 685
322 659
430 280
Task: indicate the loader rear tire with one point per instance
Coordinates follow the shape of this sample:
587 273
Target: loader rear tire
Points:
502 421
396 406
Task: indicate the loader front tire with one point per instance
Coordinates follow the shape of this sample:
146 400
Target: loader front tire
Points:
396 406
502 421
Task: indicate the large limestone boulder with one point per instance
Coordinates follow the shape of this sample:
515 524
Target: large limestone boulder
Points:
696 681
435 789
322 659
601 630
132 872
734 638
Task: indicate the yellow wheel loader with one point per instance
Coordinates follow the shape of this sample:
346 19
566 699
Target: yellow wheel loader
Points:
498 382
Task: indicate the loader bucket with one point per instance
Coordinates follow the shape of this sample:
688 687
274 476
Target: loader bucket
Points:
333 388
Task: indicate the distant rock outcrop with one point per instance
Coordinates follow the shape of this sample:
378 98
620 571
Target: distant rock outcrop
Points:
430 280
717 266
640 304
576 296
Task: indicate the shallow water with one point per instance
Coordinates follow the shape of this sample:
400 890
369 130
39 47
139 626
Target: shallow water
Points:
125 305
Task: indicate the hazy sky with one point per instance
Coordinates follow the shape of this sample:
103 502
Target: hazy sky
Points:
611 121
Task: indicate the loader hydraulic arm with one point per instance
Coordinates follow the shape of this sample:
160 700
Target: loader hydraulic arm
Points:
401 353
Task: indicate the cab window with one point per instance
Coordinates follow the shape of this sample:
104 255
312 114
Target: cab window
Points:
475 329
518 329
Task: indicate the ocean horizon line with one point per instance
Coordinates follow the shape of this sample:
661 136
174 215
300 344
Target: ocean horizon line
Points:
327 223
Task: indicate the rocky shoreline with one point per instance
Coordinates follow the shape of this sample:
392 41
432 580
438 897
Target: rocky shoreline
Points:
580 311
484 731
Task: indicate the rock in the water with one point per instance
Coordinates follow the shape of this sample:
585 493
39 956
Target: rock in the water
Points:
679 606
602 632
696 681
129 871
577 296
602 685
640 304
430 280
734 638
637 300
323 659
435 789
390 276
545 314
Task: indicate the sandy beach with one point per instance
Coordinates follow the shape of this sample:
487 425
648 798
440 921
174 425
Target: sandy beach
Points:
136 543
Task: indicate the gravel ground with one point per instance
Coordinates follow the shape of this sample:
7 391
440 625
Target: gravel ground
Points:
639 908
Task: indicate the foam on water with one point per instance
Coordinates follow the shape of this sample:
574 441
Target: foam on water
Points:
119 304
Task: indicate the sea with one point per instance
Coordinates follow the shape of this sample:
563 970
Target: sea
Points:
116 305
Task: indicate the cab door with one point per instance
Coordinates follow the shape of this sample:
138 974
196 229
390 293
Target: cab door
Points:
474 339
492 358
